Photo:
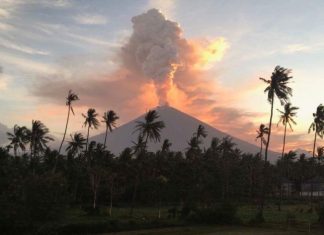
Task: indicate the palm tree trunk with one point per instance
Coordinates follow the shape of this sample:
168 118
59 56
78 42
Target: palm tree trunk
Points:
314 146
87 139
67 122
312 185
146 141
106 136
134 196
66 126
284 141
111 197
265 162
269 135
261 149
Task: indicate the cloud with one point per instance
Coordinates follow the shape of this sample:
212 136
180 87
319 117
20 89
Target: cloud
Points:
27 64
44 3
89 19
21 48
295 48
4 13
66 34
4 80
5 27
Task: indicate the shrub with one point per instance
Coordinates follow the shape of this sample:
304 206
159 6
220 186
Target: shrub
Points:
257 219
290 218
320 212
224 213
89 210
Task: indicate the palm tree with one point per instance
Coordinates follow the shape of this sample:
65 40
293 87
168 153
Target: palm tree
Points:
277 86
76 144
286 117
138 146
91 121
69 99
166 146
150 128
201 132
39 138
263 130
110 119
317 125
18 139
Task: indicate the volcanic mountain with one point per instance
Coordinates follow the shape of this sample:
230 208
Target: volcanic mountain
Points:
179 128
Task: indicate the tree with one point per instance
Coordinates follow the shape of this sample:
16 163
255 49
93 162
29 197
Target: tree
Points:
286 117
69 99
201 132
19 138
110 119
39 138
138 146
91 121
317 125
76 144
277 86
263 130
166 146
150 128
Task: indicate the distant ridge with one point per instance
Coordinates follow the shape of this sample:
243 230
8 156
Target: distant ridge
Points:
179 128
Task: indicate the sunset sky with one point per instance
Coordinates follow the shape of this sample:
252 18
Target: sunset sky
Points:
223 47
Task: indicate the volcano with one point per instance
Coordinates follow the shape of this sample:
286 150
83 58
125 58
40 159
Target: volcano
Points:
179 128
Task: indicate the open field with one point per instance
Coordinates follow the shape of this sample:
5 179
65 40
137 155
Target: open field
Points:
292 219
220 230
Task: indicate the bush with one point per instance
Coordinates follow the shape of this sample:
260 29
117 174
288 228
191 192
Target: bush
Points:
89 210
257 219
290 218
224 213
320 212
45 198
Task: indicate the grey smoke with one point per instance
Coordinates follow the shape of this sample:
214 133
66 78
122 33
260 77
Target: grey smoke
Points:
153 47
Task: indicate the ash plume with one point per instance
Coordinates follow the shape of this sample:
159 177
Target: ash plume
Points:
154 50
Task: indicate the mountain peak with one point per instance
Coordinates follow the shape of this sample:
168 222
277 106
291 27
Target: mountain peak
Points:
179 128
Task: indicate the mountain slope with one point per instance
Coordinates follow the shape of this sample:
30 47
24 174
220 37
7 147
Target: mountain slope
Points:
179 128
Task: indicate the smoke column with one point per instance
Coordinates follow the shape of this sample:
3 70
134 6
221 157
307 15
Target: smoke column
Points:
153 49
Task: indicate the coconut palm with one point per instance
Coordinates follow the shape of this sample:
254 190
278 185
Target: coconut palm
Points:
69 99
91 121
110 119
277 86
286 117
150 128
166 146
201 132
76 144
317 125
263 130
138 146
39 138
18 139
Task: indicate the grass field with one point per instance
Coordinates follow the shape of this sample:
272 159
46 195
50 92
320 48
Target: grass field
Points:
221 230
292 219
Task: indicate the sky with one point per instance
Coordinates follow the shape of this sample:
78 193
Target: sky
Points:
218 50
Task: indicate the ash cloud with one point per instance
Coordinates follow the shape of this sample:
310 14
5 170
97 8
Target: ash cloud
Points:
154 50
